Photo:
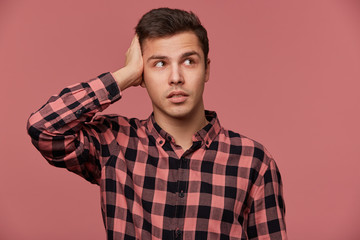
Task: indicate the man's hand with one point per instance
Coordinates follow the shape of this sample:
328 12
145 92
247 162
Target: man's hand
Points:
131 74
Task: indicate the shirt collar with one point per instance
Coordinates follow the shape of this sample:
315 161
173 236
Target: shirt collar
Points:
205 135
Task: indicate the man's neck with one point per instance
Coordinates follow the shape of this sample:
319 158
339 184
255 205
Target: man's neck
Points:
182 129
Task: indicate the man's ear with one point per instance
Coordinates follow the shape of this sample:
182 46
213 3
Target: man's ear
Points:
207 70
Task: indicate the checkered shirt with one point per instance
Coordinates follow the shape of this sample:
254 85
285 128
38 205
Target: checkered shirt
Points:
226 186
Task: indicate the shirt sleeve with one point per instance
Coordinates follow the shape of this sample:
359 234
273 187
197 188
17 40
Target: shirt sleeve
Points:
61 128
266 219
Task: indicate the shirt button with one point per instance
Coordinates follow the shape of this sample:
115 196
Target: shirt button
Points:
178 233
78 113
161 141
181 194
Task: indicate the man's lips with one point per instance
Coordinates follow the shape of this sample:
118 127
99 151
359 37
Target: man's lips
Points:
177 96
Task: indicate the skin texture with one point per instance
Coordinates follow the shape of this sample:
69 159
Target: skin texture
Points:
175 63
172 65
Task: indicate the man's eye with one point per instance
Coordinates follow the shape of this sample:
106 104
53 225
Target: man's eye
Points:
188 62
159 64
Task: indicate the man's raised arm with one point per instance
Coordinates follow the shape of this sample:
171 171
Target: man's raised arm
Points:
64 130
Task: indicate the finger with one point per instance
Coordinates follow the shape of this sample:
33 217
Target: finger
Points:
135 40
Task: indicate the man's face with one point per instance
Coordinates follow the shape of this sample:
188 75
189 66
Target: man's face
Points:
175 74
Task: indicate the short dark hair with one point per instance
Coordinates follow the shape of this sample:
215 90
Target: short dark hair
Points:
163 22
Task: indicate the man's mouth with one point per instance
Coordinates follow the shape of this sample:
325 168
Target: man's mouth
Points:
177 96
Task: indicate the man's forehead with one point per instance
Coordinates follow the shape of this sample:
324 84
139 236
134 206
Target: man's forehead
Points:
179 43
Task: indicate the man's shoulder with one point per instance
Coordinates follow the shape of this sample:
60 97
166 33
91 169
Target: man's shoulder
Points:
239 138
248 146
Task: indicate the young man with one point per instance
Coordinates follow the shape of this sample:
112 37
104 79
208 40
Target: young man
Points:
177 174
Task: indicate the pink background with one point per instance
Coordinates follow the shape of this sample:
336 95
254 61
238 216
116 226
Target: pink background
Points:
284 73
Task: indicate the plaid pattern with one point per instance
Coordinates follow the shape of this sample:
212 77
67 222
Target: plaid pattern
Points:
226 186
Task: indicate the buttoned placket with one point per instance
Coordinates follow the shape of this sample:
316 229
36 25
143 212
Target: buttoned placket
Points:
182 161
180 209
182 188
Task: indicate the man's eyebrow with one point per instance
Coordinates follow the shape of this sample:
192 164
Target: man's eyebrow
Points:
184 55
156 57
188 54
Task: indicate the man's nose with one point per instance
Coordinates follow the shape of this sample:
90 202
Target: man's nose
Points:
176 75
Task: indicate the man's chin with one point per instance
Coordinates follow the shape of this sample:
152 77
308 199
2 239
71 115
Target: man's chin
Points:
176 113
179 114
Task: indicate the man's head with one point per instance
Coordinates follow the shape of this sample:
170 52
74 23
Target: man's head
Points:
174 49
165 22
